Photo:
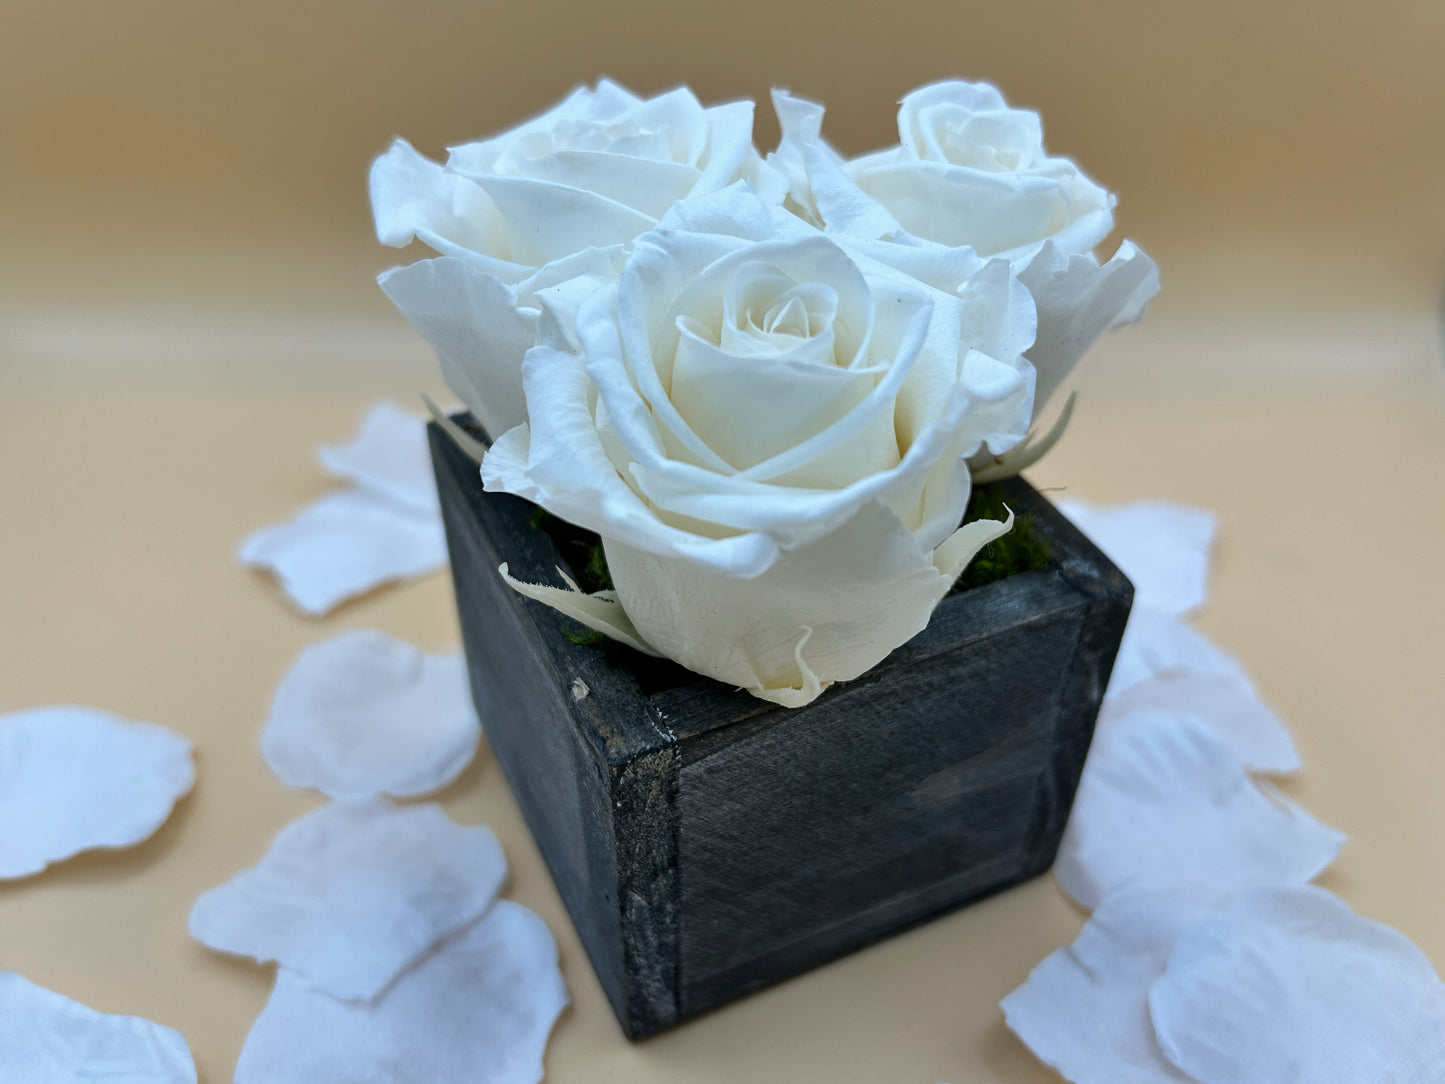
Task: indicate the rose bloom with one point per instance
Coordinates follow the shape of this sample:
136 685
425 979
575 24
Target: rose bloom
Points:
537 216
970 173
769 432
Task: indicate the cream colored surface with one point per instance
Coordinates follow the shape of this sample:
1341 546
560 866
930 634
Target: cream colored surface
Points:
187 309
124 499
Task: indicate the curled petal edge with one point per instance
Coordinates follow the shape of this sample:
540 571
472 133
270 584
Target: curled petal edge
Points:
601 612
959 548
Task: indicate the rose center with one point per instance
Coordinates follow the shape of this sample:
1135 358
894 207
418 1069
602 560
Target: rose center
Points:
766 313
998 142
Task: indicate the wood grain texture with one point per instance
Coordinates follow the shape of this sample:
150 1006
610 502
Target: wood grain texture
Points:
707 843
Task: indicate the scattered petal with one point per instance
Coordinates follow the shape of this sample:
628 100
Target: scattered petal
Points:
344 545
1084 1010
351 894
1290 984
1163 548
478 1009
388 457
73 779
46 1038
1221 702
1155 641
364 714
1164 803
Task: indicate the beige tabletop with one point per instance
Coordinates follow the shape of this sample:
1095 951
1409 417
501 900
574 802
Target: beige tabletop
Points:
187 309
125 492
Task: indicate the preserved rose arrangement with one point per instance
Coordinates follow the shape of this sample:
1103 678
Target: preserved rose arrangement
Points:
765 383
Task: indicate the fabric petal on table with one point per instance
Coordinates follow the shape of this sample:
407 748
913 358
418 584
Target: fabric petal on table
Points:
351 894
364 713
1221 702
1290 984
1155 641
344 545
46 1038
389 457
1084 1010
1163 548
73 779
478 1009
1163 803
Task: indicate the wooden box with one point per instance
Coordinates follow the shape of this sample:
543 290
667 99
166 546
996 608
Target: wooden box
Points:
707 843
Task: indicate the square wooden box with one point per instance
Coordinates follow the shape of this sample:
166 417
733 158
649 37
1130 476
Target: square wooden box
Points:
707 843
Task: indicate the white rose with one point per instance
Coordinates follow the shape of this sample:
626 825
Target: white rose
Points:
768 432
533 219
970 172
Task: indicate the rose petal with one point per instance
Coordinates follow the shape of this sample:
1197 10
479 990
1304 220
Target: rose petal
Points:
1163 548
825 612
1290 984
344 545
1163 803
73 779
478 1009
546 221
1221 702
1084 1010
389 456
582 486
1078 301
729 146
351 894
46 1038
649 186
365 714
414 197
477 327
1155 641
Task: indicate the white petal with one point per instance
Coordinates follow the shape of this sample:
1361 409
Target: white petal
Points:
1165 804
729 145
73 779
1084 1010
1078 301
344 545
1289 984
559 463
351 894
1155 641
478 1009
46 1038
413 197
478 329
546 221
365 714
389 456
649 186
825 612
991 213
1163 548
1221 702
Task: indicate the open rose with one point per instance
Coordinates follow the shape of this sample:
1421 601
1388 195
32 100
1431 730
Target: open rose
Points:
971 173
769 433
535 218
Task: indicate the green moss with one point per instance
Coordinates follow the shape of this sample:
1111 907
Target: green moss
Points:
583 636
581 549
1021 550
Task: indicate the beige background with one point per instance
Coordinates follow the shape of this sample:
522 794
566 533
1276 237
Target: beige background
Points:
187 309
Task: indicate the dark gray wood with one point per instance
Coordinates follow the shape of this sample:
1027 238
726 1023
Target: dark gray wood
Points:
707 843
